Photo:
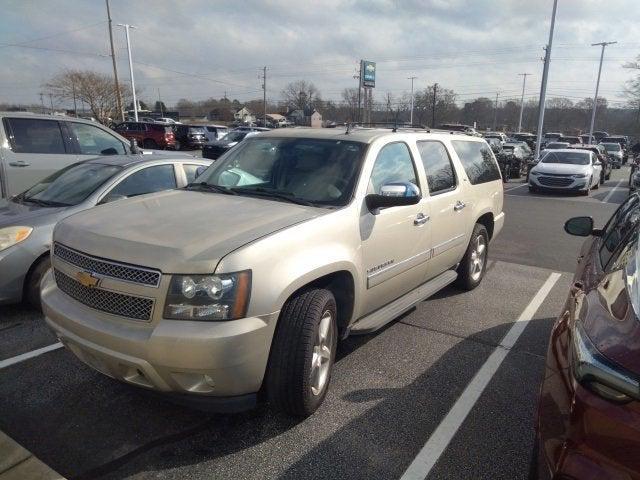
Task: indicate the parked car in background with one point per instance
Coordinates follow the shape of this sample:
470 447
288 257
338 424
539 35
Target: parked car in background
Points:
601 153
528 138
588 422
457 127
32 147
167 121
552 136
244 282
569 170
515 160
556 145
598 136
213 150
27 219
585 138
499 135
191 137
572 140
615 152
215 132
624 143
148 135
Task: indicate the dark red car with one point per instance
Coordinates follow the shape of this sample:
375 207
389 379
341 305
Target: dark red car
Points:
148 135
589 406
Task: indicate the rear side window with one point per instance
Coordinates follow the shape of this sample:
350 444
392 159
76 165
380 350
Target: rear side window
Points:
437 164
35 136
147 180
477 160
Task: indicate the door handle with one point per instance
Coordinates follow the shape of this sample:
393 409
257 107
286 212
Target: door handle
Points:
19 163
459 206
421 219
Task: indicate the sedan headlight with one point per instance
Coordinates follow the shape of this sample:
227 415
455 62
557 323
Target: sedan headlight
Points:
9 236
597 373
208 297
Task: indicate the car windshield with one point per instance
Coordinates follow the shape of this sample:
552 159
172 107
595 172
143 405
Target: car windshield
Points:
322 172
571 158
612 147
69 186
234 136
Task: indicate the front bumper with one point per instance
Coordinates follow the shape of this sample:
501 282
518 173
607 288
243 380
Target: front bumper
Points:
580 434
183 358
540 182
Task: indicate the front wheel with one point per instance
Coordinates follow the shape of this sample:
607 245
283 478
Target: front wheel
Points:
473 265
32 285
303 353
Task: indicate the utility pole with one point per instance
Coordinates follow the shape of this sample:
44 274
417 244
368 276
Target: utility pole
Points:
433 109
495 113
524 81
160 103
133 83
51 101
545 76
411 114
42 101
359 91
595 98
115 69
75 106
264 96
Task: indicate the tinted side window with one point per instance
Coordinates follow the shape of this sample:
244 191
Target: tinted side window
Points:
394 164
147 180
437 164
35 136
477 160
95 141
624 221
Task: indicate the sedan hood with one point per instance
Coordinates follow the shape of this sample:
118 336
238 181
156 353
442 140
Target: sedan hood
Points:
561 168
27 214
177 231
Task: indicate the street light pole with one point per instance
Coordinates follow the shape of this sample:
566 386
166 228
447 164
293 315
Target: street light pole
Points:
115 68
133 83
411 114
524 81
545 76
495 113
595 98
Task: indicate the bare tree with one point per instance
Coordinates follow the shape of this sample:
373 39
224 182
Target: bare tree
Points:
93 88
301 94
350 99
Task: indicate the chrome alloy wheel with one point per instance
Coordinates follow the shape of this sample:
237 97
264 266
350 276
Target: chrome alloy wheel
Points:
321 360
478 257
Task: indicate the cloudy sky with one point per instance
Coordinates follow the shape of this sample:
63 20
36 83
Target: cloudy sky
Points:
198 49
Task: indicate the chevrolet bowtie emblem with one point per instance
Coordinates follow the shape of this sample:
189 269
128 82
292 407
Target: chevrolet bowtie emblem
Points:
87 279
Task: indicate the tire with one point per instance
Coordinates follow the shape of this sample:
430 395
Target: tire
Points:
474 263
32 284
588 190
292 387
517 173
149 143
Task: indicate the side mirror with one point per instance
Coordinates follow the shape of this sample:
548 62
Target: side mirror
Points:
112 198
393 195
199 170
579 226
133 146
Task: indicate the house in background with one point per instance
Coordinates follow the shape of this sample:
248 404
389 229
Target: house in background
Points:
309 117
244 115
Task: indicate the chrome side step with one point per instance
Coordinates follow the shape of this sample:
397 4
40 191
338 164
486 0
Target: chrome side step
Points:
389 312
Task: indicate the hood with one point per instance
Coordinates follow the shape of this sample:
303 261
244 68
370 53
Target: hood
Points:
177 231
27 214
561 168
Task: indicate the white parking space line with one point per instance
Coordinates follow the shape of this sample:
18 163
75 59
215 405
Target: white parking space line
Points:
26 356
513 188
442 436
606 199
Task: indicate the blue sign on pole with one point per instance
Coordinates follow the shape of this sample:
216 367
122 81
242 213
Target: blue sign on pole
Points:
368 73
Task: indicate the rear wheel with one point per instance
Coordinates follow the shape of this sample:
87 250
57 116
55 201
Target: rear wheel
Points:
473 265
303 352
32 285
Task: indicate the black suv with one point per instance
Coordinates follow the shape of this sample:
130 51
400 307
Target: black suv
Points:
189 136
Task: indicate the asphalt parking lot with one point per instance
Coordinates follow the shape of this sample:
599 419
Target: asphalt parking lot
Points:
391 396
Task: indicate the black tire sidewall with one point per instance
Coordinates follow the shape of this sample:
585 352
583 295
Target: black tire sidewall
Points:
464 279
32 290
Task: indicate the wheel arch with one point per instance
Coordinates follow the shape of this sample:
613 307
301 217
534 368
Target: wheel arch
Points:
486 219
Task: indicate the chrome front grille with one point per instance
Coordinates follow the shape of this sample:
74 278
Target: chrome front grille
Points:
104 300
108 268
555 181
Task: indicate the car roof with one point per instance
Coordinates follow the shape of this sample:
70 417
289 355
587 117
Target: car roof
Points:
569 150
127 160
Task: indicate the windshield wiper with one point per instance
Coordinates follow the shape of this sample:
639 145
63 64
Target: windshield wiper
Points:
43 203
210 187
265 192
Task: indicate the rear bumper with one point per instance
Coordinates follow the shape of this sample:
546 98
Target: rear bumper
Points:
184 358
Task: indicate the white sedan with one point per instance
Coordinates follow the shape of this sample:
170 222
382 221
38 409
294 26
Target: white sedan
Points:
567 170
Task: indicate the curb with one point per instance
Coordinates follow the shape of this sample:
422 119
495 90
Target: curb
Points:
18 463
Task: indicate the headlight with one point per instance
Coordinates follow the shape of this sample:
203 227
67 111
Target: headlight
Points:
534 173
208 297
9 236
597 373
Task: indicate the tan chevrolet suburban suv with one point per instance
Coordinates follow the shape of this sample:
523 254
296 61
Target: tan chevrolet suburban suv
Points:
243 282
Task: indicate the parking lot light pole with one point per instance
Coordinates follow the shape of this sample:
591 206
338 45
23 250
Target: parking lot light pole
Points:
133 83
595 98
545 76
524 81
411 114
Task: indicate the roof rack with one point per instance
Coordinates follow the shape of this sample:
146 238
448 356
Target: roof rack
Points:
393 126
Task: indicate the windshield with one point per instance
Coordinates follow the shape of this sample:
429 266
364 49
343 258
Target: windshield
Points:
69 186
612 147
571 158
323 172
234 136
